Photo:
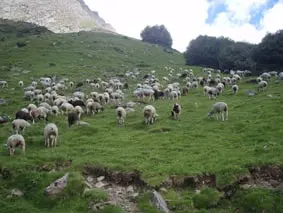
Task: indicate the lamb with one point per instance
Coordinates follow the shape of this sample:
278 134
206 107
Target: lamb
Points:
262 85
121 115
221 108
176 111
50 135
235 89
19 124
149 113
23 115
14 141
73 118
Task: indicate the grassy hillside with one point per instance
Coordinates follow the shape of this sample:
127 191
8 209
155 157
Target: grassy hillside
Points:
192 146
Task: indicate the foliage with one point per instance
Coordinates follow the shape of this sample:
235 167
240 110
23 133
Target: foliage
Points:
96 195
223 53
207 198
258 200
269 53
157 35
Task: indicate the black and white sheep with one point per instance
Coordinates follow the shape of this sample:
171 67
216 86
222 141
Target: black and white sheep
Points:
176 111
235 89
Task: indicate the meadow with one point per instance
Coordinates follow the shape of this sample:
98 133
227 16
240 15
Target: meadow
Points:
192 146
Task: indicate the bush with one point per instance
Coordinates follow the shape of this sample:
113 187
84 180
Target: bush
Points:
157 35
207 198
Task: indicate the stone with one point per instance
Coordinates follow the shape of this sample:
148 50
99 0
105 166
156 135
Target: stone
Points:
57 186
130 189
163 189
101 178
17 193
100 185
89 179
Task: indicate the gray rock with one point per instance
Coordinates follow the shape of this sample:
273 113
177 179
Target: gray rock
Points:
17 193
100 185
89 179
57 186
130 189
101 178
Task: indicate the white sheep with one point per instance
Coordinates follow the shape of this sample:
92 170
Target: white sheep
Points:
79 110
3 84
28 95
235 89
55 110
176 111
149 113
14 141
262 85
20 83
121 115
50 135
19 124
67 107
221 109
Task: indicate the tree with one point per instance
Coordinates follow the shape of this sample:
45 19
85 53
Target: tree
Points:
157 35
204 51
269 53
237 56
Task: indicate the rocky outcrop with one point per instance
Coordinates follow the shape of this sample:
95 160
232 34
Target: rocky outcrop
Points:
59 16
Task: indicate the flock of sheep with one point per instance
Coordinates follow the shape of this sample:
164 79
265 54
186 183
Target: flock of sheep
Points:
49 98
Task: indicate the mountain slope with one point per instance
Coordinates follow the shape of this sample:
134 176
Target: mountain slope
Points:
59 16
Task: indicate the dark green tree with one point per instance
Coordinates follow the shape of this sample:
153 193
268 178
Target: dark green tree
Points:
157 35
268 54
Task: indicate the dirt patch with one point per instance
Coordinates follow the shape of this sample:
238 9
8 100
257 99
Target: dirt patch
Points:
57 166
190 181
121 195
119 178
266 176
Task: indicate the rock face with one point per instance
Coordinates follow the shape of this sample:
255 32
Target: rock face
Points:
59 16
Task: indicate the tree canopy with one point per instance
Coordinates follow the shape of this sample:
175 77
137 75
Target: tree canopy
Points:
223 53
157 35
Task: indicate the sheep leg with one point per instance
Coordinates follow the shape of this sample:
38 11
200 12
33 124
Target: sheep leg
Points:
227 115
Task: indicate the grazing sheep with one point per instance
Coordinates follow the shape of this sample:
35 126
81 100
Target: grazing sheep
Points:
28 95
149 113
38 113
23 115
20 83
50 135
79 110
73 118
31 106
176 111
14 141
67 107
55 110
19 125
205 90
3 84
235 89
121 115
212 92
93 107
220 108
77 103
262 85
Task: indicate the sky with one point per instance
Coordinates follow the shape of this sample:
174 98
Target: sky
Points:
240 20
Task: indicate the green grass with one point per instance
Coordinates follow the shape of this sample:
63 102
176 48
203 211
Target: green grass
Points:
251 136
